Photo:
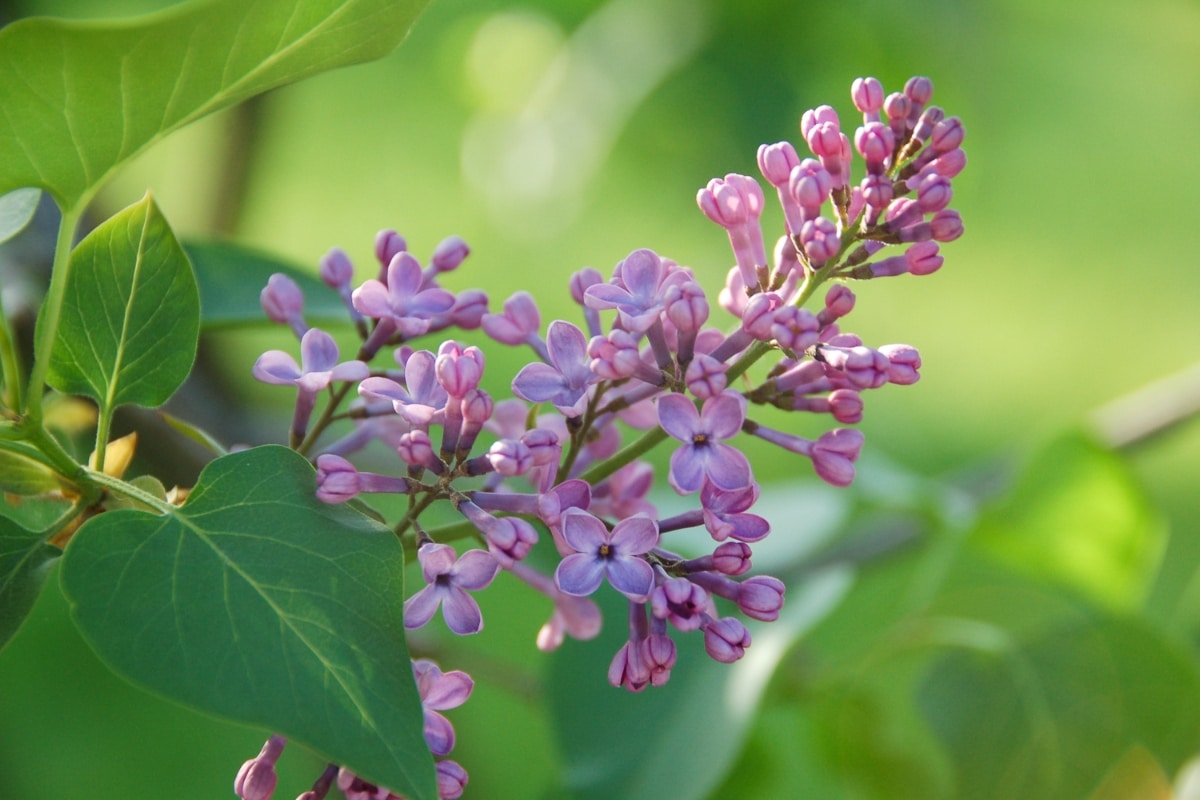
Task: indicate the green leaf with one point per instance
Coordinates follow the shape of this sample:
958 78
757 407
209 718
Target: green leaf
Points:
16 209
231 277
195 433
1047 718
81 99
1078 517
25 561
684 735
131 315
256 602
22 475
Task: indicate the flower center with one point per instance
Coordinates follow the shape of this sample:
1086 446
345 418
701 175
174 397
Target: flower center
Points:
700 439
605 550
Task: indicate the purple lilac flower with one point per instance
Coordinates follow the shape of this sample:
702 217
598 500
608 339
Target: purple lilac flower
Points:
447 582
601 553
565 380
338 480
518 324
736 203
421 400
401 301
726 639
451 779
628 667
637 294
318 368
658 657
682 603
703 454
725 517
440 691
761 597
283 302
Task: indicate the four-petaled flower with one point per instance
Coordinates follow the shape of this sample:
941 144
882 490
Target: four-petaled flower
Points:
440 691
565 380
447 582
703 455
403 301
601 553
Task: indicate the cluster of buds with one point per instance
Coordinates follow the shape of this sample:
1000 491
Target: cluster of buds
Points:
553 459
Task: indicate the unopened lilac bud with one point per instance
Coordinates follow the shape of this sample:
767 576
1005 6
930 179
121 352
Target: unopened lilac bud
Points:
824 114
897 106
470 306
759 315
922 258
731 558
628 668
337 479
834 453
582 280
615 356
904 362
658 655
867 94
449 253
776 162
705 376
925 124
820 240
283 302
903 212
825 141
459 369
732 201
519 321
543 446
839 301
726 639
934 193
387 244
680 602
761 597
510 457
875 142
477 407
918 89
846 406
686 306
949 163
256 779
947 135
510 540
795 329
811 184
863 367
946 225
416 449
877 192
451 780
336 269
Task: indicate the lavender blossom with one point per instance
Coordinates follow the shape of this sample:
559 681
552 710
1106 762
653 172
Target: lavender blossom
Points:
447 582
601 553
440 691
565 380
703 455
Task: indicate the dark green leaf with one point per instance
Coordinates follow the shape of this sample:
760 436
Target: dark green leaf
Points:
677 740
23 476
80 99
231 277
256 602
1079 518
25 561
1047 718
16 209
131 316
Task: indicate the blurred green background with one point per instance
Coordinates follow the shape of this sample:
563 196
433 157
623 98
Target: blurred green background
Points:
555 134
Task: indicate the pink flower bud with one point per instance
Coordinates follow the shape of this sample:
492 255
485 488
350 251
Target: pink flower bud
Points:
732 201
658 655
615 356
336 269
459 369
705 376
510 457
875 141
337 479
904 361
477 407
947 135
282 299
776 161
933 193
726 639
824 139
415 449
846 405
926 122
810 183
628 668
510 540
839 301
949 163
922 258
543 446
451 780
761 597
449 253
731 558
918 89
582 280
817 116
946 225
680 602
897 106
387 244
759 315
834 454
795 329
820 240
686 306
867 94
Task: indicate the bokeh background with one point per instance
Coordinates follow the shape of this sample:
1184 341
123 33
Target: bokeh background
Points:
554 134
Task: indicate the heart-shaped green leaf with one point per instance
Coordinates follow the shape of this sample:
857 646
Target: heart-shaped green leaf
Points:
131 315
257 602
25 561
80 99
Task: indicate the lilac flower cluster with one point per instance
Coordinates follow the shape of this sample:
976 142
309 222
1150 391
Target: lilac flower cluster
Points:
554 459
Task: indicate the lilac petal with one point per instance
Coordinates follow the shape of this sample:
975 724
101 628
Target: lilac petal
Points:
420 375
606 295
579 574
566 344
313 382
574 493
635 535
421 607
583 532
403 277
687 470
436 559
411 327
727 467
439 733
450 690
538 383
503 329
461 612
318 351
641 321
350 371
632 577
475 570
385 388
678 416
722 502
372 300
276 366
743 527
431 302
722 415
641 272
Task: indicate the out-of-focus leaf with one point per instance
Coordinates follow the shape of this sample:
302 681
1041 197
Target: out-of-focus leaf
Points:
82 98
25 562
1047 717
131 316
677 740
16 209
1137 776
24 476
231 277
196 434
256 602
1078 517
